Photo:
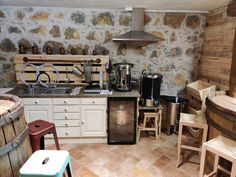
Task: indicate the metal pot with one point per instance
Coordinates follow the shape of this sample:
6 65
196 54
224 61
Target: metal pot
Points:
123 76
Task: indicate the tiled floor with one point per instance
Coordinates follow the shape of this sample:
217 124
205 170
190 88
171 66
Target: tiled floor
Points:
147 158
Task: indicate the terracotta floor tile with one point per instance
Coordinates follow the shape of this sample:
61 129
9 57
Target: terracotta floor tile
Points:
175 172
147 158
85 172
162 162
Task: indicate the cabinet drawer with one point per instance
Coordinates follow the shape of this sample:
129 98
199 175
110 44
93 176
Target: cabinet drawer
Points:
64 116
37 101
93 101
65 101
68 131
66 109
67 123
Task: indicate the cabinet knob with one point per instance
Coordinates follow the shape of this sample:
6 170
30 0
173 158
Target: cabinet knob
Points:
66 117
66 124
93 102
82 122
65 110
36 102
67 133
65 101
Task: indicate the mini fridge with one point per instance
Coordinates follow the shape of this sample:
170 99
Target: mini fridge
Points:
122 115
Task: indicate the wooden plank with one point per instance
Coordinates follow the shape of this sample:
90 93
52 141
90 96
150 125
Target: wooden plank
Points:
231 9
63 69
5 165
24 150
232 83
10 135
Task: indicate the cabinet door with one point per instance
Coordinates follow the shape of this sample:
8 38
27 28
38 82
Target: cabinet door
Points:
93 120
38 112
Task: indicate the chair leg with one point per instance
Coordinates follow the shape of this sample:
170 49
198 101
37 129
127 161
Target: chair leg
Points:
179 144
202 163
55 138
233 170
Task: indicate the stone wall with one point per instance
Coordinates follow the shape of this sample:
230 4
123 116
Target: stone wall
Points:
217 49
176 58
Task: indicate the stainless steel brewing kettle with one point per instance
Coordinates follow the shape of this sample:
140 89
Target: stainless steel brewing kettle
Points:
123 76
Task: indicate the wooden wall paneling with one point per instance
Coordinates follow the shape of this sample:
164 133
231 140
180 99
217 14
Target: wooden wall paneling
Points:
232 81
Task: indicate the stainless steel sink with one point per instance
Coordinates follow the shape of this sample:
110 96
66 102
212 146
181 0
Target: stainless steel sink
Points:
59 90
43 90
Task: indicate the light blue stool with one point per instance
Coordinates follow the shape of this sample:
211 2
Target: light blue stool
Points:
47 163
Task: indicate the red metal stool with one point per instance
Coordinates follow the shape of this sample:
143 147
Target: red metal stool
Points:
37 130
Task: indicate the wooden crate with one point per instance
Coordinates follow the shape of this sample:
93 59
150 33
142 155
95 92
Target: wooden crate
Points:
200 89
64 64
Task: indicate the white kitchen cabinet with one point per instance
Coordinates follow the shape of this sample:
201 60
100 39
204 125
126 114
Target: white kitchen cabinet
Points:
38 112
66 115
38 108
93 122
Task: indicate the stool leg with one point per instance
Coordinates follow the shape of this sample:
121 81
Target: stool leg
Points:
179 143
160 118
202 163
138 136
233 170
216 163
69 170
42 146
156 127
55 138
35 143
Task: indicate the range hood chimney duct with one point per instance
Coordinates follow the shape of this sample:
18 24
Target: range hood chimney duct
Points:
136 33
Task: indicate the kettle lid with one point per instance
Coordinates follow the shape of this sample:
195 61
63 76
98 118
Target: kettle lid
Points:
152 75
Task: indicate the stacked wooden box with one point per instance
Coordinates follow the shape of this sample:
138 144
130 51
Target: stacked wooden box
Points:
197 93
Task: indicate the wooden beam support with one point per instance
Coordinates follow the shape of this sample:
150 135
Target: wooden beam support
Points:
232 80
231 9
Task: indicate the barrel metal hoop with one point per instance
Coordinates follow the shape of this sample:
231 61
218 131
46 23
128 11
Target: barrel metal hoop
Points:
16 142
218 127
212 106
11 116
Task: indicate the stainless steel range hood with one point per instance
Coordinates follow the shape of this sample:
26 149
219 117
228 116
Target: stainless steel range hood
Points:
136 33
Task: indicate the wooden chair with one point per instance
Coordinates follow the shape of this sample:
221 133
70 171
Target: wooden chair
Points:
221 147
156 116
194 121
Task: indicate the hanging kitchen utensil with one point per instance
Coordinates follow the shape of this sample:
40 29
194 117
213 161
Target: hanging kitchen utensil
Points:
77 71
67 79
88 72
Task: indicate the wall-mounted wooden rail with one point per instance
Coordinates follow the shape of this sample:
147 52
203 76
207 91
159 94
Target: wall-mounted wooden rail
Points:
64 64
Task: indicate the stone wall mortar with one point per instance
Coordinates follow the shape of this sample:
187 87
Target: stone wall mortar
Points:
176 58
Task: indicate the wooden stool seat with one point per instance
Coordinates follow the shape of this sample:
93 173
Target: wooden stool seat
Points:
157 123
221 147
192 121
47 163
37 130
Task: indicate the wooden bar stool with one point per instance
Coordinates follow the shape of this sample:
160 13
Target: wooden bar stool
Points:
156 116
37 130
221 147
47 163
194 121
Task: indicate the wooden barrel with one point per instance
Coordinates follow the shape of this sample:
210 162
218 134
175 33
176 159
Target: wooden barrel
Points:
221 119
15 146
